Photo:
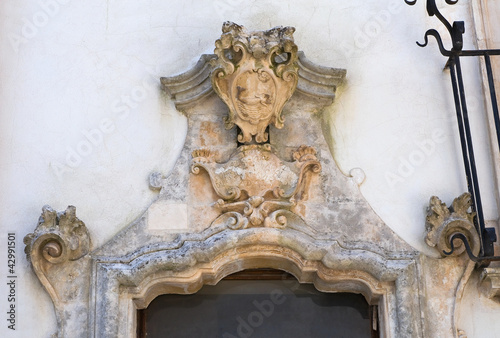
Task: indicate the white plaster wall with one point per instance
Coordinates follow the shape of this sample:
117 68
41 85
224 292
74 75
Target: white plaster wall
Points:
69 68
478 315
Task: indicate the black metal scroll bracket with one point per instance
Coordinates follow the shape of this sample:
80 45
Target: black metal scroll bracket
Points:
456 30
465 241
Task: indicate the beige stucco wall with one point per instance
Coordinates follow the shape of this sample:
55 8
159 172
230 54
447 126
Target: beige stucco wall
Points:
83 121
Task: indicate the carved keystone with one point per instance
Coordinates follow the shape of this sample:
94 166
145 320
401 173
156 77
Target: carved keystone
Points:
57 250
443 222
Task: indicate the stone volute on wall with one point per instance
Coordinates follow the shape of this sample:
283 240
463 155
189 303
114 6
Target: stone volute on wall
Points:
443 222
255 186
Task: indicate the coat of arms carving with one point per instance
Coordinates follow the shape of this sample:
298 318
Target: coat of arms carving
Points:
255 74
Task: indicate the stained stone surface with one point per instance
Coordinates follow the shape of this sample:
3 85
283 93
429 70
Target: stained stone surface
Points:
241 198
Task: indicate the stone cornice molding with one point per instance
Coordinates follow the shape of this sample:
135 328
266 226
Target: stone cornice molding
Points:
490 282
317 82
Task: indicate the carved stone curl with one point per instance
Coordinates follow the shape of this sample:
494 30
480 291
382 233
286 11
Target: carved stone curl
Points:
443 222
58 237
254 73
56 250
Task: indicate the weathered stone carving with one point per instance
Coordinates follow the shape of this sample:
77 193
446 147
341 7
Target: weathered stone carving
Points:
255 186
189 88
490 282
443 222
292 206
58 251
255 74
58 237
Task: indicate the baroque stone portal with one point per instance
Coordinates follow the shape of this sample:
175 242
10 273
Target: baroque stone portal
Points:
255 186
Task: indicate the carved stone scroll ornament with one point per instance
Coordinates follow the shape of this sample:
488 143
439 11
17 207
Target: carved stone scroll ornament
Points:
449 229
442 223
255 73
256 187
57 250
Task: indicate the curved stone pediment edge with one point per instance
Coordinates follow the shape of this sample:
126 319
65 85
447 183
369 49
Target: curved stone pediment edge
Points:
191 86
198 247
315 81
250 257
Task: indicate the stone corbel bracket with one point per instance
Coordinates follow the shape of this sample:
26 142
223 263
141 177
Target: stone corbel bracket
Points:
443 222
58 251
191 87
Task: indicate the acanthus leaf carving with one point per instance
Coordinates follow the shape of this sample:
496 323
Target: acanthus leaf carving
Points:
58 237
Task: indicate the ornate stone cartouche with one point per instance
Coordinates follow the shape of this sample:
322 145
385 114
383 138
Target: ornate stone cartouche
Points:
256 184
255 73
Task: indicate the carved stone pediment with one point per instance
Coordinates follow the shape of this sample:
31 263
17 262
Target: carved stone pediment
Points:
270 197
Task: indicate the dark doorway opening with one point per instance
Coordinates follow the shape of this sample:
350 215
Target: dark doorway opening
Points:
259 303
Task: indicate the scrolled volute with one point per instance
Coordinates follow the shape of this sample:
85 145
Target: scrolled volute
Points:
443 222
58 237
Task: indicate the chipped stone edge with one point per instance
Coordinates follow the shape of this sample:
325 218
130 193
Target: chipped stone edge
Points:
490 282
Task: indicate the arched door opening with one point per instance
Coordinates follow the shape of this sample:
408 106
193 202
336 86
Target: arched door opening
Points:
259 303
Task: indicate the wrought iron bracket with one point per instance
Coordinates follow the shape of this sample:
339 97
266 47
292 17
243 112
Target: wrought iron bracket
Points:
455 29
487 236
483 261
